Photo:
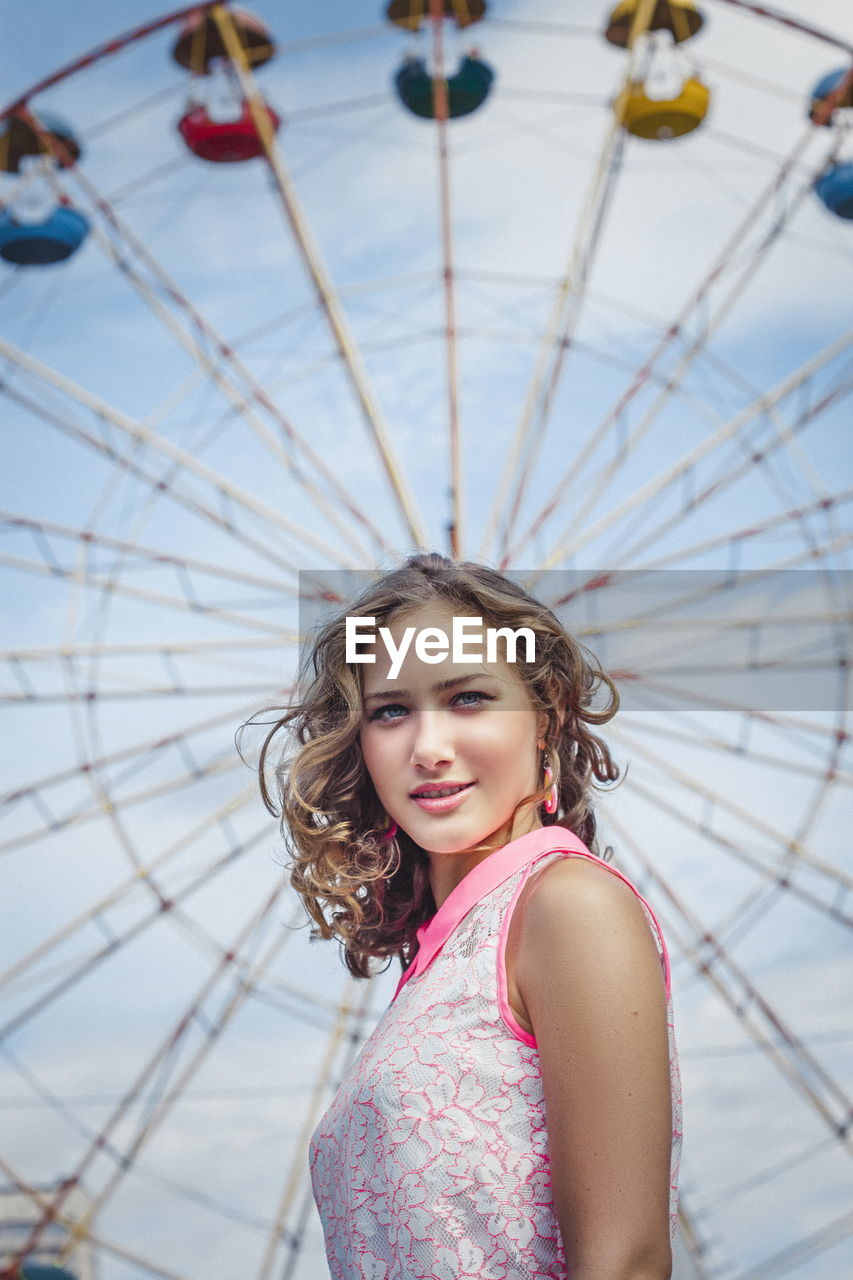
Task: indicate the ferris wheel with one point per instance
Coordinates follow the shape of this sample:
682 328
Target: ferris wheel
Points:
560 287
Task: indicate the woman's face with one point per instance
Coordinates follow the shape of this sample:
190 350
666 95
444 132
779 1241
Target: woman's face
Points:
478 737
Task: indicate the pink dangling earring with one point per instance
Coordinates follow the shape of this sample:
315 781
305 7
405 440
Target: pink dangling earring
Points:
392 830
550 790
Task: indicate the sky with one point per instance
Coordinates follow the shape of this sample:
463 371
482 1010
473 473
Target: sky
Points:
167 501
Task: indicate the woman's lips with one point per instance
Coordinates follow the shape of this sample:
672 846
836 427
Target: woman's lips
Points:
441 804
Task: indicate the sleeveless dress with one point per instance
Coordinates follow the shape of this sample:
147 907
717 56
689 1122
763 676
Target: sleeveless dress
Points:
432 1160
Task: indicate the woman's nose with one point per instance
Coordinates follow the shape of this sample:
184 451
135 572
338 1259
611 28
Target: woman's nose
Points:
433 741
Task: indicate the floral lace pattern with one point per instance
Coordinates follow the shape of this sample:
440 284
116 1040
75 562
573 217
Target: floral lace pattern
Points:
431 1162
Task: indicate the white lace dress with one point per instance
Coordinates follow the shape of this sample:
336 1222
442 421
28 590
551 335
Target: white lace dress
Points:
432 1160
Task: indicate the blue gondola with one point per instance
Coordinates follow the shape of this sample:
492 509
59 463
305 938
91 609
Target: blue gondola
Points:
824 88
835 188
29 244
37 1271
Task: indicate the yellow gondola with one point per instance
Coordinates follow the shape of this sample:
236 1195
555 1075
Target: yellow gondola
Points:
662 118
681 17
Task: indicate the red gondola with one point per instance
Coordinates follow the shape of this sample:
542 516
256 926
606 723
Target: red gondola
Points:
224 141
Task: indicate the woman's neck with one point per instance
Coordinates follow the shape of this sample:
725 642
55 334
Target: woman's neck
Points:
447 870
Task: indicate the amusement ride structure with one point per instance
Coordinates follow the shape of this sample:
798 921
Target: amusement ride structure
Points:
563 288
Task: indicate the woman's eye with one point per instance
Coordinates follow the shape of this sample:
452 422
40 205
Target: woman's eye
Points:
474 693
380 713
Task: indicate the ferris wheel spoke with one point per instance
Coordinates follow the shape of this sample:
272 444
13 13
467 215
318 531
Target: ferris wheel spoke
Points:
183 664
333 39
737 537
793 847
674 695
834 884
221 354
185 672
161 1057
242 987
116 119
774 88
691 1235
646 494
788 20
751 636
730 259
135 758
733 1192
222 515
343 107
785 437
43 530
355 1038
39 1200
96 54
178 690
695 586
714 962
730 470
678 611
746 913
702 737
728 473
563 320
143 879
112 585
326 294
188 602
291 1002
804 1249
323 155
142 1171
798 656
528 26
347 1022
137 1259
295 1246
441 111
605 356
702 670
731 433
84 812
98 916
124 649
142 437
122 41
747 148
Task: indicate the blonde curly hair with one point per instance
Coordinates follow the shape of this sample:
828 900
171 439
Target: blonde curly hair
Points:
370 892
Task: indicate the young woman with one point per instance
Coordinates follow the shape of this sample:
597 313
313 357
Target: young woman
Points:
516 1112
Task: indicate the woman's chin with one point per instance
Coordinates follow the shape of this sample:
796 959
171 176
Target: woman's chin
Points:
447 839
445 836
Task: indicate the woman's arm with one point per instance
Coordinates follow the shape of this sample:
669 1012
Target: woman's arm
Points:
589 973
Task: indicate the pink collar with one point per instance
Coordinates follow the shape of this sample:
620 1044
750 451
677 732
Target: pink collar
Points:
480 880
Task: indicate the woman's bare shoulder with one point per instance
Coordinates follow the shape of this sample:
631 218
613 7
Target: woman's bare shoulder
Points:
575 910
578 884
